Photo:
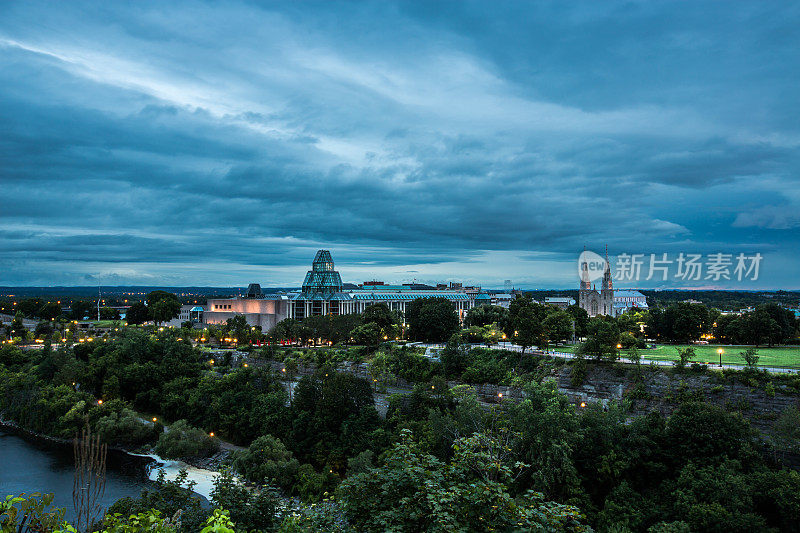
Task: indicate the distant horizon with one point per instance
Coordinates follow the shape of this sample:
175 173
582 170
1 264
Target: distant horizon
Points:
243 288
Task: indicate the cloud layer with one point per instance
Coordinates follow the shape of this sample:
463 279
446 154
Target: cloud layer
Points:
195 143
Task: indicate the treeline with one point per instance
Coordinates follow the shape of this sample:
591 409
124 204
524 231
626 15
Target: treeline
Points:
723 300
439 460
159 306
767 324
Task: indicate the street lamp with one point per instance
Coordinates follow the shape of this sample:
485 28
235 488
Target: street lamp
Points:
720 357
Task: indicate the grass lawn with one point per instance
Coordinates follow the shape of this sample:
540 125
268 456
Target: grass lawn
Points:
783 356
104 323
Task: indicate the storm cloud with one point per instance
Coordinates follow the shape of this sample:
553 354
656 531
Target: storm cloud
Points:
197 143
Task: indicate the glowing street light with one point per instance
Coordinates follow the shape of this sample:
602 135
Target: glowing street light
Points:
720 356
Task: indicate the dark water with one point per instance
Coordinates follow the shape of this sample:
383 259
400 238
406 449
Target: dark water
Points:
28 465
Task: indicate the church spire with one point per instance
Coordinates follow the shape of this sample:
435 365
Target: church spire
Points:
607 284
585 283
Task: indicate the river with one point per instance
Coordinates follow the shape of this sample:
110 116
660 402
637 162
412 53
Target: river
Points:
29 465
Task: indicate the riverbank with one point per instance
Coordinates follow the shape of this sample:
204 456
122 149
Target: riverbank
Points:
42 465
144 466
115 454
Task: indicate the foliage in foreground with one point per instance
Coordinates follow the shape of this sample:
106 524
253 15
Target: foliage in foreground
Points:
415 491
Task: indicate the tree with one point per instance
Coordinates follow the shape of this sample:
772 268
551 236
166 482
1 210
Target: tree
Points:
785 322
703 432
163 306
558 326
181 440
431 319
30 306
267 461
602 339
137 313
80 309
333 416
750 356
107 313
239 328
50 311
415 491
485 315
475 335
681 322
379 315
685 355
759 327
581 319
165 310
524 326
155 296
634 356
17 326
250 510
368 334
43 329
286 329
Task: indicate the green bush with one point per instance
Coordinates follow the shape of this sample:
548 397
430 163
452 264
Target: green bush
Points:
124 428
267 461
183 440
578 372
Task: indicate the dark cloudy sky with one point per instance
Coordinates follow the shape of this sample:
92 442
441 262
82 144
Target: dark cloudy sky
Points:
209 144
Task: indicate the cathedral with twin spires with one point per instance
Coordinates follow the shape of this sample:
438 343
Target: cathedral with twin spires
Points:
594 302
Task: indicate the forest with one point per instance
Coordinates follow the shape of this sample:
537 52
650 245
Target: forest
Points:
440 460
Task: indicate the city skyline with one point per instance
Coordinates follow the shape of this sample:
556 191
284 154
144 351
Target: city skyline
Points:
189 143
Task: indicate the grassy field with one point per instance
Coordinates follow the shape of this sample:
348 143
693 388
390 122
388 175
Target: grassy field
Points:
103 323
783 356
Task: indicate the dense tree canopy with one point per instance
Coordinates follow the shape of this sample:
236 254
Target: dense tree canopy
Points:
431 319
137 313
485 315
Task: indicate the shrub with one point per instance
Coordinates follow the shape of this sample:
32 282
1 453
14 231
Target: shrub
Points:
685 355
123 428
267 461
578 372
183 440
750 357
